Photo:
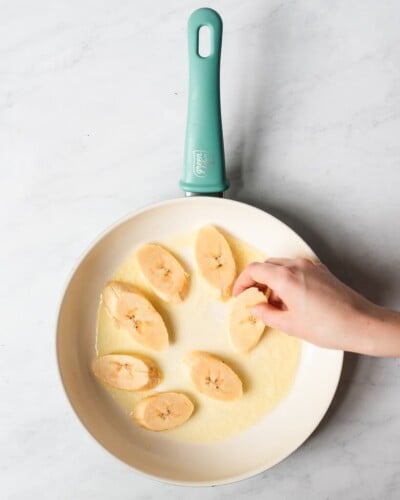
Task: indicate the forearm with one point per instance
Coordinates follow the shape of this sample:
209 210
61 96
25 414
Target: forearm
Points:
379 332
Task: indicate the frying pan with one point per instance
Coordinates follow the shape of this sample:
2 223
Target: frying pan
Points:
279 432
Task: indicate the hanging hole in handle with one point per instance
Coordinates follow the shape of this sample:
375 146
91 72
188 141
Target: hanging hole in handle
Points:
204 41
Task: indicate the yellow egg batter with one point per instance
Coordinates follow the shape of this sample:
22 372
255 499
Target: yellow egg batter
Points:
201 323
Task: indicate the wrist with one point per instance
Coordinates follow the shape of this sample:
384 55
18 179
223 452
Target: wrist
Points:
378 331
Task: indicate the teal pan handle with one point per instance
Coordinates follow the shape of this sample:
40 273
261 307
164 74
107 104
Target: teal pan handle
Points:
204 160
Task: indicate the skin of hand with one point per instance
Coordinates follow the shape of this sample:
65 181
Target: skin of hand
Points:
309 302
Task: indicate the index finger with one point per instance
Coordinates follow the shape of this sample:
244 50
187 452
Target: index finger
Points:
258 273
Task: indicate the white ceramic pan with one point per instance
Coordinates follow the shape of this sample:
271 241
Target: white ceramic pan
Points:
281 431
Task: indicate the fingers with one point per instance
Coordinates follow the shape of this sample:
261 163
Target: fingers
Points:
258 273
298 262
271 316
275 273
275 300
280 261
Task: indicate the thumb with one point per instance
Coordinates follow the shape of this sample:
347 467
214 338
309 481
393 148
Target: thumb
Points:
270 315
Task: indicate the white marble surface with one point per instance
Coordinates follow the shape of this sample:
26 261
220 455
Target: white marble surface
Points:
92 114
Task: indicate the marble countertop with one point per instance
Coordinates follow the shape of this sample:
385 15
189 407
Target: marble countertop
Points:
92 117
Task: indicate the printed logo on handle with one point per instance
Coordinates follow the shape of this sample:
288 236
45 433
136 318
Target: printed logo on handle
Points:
202 161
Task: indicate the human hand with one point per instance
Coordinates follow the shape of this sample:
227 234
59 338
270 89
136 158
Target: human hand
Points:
309 302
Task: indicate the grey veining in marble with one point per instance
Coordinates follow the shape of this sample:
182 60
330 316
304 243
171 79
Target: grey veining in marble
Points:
92 116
